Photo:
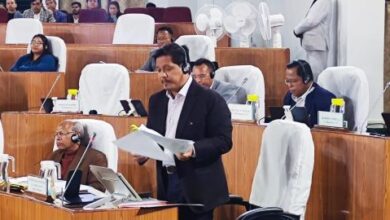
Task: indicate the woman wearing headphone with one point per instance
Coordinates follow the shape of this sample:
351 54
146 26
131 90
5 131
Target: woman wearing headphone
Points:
39 59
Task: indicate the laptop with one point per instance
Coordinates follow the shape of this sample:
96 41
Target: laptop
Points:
115 183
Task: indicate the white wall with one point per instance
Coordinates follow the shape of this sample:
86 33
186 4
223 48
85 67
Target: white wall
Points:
362 34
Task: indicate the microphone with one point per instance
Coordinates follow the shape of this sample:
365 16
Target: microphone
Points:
79 163
51 89
238 88
1 69
360 130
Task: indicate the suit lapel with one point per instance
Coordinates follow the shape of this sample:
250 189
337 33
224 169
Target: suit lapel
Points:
76 159
163 111
189 105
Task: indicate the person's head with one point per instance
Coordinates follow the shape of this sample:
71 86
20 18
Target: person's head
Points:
36 6
76 7
150 5
114 9
51 4
172 66
69 135
92 4
203 72
299 77
164 36
11 5
40 45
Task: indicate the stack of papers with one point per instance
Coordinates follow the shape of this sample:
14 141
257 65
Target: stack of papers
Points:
146 142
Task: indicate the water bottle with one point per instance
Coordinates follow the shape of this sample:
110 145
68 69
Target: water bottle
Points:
52 171
4 180
253 100
338 105
72 94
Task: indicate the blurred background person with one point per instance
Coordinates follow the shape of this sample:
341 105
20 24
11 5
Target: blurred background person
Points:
38 12
74 16
92 4
11 9
60 16
114 11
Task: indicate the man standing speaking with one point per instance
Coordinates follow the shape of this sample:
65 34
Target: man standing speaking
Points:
186 110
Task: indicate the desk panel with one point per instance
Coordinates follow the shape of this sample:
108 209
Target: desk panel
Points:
23 91
19 207
102 33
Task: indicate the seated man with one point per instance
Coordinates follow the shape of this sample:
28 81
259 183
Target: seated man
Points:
60 16
203 73
74 17
303 92
38 12
164 37
69 137
11 9
93 4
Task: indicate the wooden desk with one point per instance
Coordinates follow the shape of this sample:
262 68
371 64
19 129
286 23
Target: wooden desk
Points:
102 33
272 62
19 207
350 180
23 91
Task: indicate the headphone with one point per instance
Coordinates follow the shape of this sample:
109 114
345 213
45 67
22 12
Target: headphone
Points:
75 138
185 67
306 76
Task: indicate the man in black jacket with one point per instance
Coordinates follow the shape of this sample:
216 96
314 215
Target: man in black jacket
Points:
186 110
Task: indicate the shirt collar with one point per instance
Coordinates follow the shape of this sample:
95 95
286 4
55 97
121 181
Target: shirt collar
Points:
183 91
303 97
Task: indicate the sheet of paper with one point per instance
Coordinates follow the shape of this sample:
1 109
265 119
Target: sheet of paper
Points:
138 143
174 145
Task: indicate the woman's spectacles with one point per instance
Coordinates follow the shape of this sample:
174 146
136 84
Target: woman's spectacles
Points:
36 42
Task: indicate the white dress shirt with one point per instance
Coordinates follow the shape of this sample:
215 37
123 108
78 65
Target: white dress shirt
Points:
175 105
300 101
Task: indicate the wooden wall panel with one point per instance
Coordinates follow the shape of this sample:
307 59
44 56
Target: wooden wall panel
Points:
102 33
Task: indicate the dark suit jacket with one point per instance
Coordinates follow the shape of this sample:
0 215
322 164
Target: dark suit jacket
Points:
319 99
93 157
205 119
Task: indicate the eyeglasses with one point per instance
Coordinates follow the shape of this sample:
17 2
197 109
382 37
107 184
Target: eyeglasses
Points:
291 81
200 76
60 133
36 42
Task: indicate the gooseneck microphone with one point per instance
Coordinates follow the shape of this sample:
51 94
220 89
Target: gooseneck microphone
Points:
51 89
79 163
360 129
245 80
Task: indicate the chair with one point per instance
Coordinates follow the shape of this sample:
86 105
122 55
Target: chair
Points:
96 15
22 30
3 16
134 29
136 11
105 135
58 48
284 171
351 84
102 86
266 214
248 77
177 14
156 13
199 46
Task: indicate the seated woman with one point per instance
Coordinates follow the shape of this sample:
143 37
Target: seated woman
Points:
40 58
114 11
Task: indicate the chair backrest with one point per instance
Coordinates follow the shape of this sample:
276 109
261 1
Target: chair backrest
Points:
105 135
97 15
3 16
246 76
136 11
101 88
351 83
22 30
285 167
199 46
134 29
267 214
177 14
156 13
58 48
